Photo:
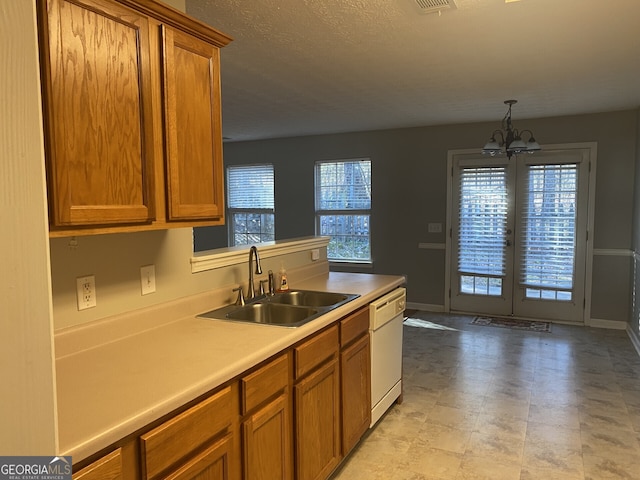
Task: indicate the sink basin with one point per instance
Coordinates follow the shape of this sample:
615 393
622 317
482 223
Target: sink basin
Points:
274 314
310 298
285 309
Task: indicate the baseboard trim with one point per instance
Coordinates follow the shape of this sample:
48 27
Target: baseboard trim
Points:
425 307
635 340
609 324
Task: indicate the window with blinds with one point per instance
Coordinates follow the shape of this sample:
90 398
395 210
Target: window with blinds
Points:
549 231
250 204
343 208
482 225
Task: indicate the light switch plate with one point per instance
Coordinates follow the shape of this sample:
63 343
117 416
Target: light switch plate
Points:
148 279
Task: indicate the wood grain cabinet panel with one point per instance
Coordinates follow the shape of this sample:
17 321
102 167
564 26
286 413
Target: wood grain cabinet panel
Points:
355 370
354 325
174 446
270 379
355 377
267 442
132 116
108 467
98 113
266 427
313 352
193 123
317 416
214 463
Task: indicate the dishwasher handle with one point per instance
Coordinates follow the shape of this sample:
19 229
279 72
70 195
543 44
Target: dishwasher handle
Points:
399 294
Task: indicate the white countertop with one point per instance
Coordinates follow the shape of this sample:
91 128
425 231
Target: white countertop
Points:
110 390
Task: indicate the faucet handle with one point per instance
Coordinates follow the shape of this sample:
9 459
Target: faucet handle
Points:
272 283
240 299
262 282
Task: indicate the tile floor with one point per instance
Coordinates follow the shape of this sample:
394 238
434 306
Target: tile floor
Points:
483 402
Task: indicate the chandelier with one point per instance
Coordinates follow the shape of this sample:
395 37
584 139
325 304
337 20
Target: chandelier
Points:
510 138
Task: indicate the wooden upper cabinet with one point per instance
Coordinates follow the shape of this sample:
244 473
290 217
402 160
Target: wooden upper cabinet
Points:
98 113
193 123
133 136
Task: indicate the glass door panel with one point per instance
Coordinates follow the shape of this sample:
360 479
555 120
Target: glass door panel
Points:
519 235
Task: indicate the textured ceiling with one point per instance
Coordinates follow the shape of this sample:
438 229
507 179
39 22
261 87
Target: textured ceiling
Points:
301 67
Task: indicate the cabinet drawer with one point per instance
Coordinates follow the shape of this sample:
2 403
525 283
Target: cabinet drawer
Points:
354 325
108 467
213 463
315 351
264 383
163 446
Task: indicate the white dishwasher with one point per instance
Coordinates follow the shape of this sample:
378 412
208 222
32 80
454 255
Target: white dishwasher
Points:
386 315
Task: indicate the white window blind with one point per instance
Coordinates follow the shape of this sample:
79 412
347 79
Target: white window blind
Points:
250 203
482 221
549 227
250 187
343 207
343 185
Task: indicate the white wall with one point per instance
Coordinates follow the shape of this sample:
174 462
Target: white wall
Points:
115 260
27 386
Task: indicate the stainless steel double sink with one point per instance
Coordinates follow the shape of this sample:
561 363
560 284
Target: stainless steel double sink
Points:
292 308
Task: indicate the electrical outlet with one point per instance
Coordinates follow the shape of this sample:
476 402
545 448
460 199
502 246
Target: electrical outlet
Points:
148 279
86 292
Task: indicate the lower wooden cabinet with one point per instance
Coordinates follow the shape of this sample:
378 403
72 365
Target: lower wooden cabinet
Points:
196 444
108 467
317 407
214 463
267 442
266 425
295 416
355 378
355 370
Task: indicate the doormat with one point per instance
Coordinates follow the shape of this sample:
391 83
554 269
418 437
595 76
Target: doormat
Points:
530 325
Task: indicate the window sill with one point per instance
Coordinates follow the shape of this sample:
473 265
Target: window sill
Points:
225 257
348 266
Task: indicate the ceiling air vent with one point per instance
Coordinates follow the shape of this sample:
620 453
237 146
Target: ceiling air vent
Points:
434 6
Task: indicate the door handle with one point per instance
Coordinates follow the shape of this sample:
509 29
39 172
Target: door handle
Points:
507 243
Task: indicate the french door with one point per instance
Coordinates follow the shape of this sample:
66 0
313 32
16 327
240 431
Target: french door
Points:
519 234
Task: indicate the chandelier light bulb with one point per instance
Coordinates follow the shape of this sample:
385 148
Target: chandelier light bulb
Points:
510 138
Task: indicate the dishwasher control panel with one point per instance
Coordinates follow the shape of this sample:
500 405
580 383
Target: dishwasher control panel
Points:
387 307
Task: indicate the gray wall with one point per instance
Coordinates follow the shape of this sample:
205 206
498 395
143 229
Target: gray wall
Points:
409 191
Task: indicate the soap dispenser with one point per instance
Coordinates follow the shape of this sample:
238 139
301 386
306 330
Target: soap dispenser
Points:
284 284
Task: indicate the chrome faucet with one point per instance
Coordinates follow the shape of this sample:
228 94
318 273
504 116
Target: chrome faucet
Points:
253 251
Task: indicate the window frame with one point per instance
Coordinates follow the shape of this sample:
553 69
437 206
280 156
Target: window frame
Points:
233 211
346 212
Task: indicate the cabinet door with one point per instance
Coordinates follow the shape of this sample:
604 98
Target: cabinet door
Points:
355 366
186 434
317 413
193 127
267 442
98 113
214 463
108 467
